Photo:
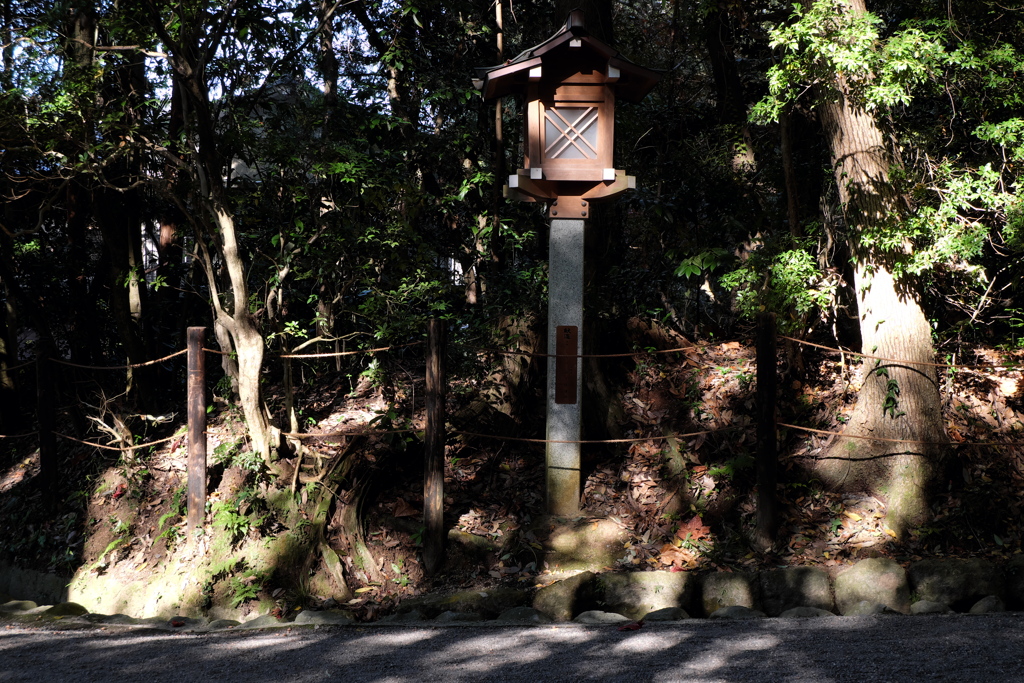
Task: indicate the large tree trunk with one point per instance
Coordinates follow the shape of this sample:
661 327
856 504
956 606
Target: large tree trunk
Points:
897 401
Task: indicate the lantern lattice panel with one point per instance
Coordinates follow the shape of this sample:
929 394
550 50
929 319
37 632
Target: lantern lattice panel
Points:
571 133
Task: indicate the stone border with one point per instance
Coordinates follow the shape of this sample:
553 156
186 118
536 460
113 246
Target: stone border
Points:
869 587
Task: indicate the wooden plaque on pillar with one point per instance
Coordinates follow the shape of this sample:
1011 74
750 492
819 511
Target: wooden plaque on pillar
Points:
565 363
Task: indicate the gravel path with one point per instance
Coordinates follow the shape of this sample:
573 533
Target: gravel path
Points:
880 648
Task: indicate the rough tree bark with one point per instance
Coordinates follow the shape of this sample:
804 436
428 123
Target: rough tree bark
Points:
897 400
189 52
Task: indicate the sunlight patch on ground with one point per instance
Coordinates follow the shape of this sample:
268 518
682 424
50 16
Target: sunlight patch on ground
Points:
727 652
27 467
640 643
477 654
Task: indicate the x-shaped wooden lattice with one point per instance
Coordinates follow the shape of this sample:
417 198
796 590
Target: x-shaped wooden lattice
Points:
573 133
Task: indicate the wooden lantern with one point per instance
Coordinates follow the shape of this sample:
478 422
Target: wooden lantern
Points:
571 82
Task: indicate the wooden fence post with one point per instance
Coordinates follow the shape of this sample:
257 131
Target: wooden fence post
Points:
767 453
434 441
196 427
45 421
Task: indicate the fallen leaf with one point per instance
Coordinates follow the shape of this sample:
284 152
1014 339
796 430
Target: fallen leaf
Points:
853 515
403 509
694 529
635 626
677 557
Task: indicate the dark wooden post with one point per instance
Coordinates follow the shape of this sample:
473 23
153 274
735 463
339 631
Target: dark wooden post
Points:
434 440
767 454
45 420
196 427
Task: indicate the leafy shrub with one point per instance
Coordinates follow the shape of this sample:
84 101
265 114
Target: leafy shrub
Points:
788 282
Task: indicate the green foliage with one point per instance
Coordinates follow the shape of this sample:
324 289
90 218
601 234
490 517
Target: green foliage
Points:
226 515
890 402
787 281
957 210
1008 134
121 530
177 509
231 454
827 39
245 587
704 262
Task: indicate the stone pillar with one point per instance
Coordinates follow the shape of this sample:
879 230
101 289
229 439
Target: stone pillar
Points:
565 309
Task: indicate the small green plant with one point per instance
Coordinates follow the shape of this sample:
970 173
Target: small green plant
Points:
729 468
120 527
223 387
230 454
389 419
397 567
227 517
121 530
245 586
891 402
177 509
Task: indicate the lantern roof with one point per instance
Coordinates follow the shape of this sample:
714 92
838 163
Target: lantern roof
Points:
512 77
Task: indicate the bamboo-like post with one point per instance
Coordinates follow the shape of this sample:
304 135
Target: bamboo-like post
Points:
196 427
767 453
434 441
45 420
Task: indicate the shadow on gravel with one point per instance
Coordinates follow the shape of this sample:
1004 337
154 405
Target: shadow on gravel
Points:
953 648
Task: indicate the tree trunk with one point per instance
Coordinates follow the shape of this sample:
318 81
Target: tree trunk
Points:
187 60
896 401
10 412
732 104
248 342
78 68
328 61
789 174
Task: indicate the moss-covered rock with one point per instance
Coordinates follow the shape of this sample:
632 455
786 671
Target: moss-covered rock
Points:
638 593
562 600
735 589
875 580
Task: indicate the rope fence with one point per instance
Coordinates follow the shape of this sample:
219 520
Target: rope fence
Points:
131 366
339 354
434 432
532 354
336 435
1012 366
20 366
641 439
122 449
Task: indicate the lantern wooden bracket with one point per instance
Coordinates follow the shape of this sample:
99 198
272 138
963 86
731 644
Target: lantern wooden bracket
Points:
523 188
569 207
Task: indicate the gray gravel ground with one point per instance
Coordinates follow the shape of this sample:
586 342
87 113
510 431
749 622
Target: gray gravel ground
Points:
880 648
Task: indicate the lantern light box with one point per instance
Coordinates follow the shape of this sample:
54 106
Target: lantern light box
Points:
570 82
